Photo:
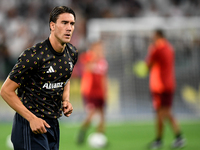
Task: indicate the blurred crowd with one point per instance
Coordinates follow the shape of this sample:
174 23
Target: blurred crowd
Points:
25 22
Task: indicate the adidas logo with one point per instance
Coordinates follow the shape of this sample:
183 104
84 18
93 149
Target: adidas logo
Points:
50 70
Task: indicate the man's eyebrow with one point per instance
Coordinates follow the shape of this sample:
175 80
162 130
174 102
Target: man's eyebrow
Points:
68 21
64 21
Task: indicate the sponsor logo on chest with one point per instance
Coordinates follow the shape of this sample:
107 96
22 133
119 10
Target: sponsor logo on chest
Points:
52 85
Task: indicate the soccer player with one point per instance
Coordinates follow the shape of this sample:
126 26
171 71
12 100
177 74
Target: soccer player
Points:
94 87
160 60
41 77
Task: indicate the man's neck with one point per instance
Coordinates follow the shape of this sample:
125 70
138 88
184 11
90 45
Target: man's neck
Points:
57 46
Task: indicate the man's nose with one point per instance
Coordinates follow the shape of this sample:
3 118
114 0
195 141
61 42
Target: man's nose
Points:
69 27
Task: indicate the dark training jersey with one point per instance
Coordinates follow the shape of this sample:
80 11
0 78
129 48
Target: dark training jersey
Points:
42 74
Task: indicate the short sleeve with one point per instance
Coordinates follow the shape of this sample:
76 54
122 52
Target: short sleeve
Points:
26 65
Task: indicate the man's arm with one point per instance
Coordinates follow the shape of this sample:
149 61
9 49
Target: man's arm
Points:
8 94
151 56
67 106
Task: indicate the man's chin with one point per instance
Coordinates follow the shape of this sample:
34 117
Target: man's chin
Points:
66 40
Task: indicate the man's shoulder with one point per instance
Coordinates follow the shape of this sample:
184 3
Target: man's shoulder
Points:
34 51
71 48
73 52
39 46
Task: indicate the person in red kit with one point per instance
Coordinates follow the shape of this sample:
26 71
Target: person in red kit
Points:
93 87
160 60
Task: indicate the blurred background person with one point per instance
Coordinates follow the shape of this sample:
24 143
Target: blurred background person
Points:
93 87
160 60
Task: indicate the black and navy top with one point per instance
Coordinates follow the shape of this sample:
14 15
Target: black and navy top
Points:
42 74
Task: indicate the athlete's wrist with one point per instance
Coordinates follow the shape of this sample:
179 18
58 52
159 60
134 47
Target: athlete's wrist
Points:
66 100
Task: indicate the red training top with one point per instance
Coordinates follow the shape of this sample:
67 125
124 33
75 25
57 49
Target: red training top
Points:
160 59
93 80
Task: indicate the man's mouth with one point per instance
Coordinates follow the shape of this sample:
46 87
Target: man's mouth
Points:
67 35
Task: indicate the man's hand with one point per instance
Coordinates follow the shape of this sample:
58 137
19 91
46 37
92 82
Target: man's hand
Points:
38 125
67 108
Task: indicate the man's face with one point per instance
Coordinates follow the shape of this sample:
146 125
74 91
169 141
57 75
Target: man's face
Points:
63 28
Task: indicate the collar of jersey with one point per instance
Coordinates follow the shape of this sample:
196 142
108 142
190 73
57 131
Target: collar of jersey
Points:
52 50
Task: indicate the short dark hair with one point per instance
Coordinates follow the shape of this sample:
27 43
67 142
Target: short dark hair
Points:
60 10
160 32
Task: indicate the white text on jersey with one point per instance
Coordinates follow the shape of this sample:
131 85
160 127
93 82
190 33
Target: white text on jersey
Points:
52 85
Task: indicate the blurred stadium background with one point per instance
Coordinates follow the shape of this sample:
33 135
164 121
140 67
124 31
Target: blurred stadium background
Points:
125 27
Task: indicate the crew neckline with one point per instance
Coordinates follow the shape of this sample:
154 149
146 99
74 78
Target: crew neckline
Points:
52 49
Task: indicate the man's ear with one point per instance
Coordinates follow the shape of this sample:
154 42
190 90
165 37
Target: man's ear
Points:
52 25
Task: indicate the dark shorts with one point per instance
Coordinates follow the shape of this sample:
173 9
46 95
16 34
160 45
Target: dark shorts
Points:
162 100
24 139
92 102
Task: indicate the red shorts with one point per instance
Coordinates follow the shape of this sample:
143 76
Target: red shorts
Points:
162 100
91 102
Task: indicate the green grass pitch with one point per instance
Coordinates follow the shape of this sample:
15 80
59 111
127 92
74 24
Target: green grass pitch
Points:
126 136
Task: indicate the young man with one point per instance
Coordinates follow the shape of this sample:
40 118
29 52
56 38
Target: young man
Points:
160 60
41 77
